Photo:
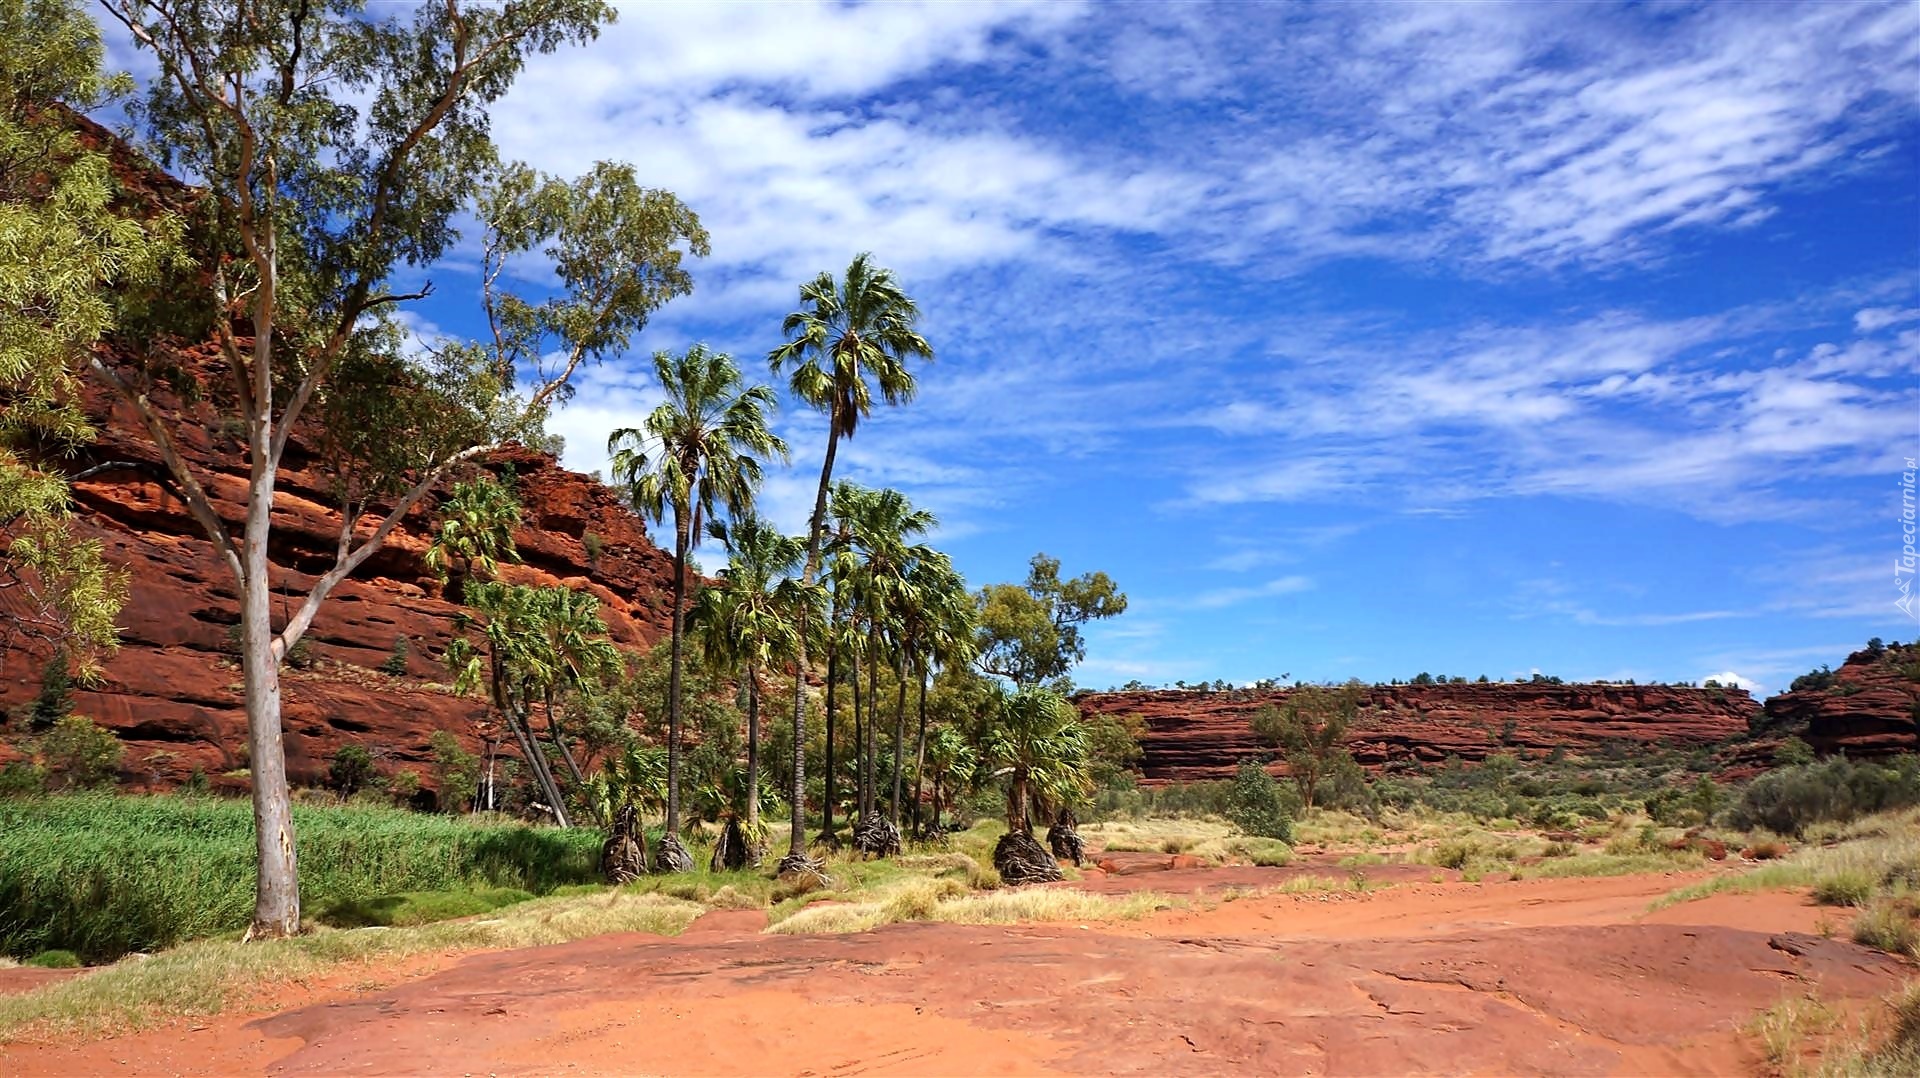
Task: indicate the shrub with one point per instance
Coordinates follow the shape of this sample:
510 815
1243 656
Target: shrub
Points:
455 770
55 700
1813 680
55 960
79 754
1790 799
352 769
395 664
22 778
1793 752
1258 805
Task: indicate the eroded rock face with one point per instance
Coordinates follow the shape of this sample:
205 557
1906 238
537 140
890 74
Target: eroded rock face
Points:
1193 735
172 694
1868 709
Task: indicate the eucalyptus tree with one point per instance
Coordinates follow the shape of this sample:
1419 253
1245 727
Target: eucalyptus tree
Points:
699 449
753 618
74 254
336 147
843 334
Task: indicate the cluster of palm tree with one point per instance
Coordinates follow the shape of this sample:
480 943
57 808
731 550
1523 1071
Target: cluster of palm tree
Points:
862 587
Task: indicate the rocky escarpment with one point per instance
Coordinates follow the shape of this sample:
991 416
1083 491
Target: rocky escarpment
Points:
1194 735
172 693
1868 707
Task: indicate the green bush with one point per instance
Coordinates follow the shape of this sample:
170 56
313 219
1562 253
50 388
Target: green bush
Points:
1258 805
103 875
1848 887
395 664
55 960
351 770
79 754
1790 799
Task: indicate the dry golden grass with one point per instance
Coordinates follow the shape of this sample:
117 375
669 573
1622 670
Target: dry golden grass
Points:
948 901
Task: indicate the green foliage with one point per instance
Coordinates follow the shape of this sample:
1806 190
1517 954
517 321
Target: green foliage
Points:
1813 680
1037 743
844 333
104 875
79 754
1309 729
55 699
54 960
1030 634
395 664
1259 805
419 907
71 256
477 522
455 770
351 769
1793 752
1790 799
22 778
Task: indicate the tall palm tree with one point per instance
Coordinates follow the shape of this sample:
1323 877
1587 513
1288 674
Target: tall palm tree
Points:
702 445
755 617
940 633
843 334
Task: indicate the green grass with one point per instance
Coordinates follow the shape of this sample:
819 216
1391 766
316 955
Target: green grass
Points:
209 976
105 875
54 960
419 907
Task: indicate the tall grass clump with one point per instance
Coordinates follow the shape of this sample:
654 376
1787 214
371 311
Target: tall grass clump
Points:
104 875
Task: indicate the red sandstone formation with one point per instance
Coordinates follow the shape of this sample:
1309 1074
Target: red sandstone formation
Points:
1869 709
1193 735
172 694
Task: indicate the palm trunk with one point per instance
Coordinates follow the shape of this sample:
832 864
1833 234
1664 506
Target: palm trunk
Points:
1017 819
859 747
681 522
560 741
872 746
899 732
797 841
753 754
511 707
920 751
826 807
276 902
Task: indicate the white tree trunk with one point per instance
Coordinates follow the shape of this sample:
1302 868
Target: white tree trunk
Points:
276 904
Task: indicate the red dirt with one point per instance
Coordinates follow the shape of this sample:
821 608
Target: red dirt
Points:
17 979
1542 976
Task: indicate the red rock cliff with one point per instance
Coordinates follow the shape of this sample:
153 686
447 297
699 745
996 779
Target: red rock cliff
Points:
1192 735
1867 708
172 693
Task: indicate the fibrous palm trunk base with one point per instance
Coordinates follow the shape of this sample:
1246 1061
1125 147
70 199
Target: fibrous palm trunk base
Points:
1063 838
671 855
798 868
876 836
730 851
624 857
1020 859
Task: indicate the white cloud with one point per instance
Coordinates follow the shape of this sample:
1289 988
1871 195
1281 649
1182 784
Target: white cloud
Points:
1223 597
1728 677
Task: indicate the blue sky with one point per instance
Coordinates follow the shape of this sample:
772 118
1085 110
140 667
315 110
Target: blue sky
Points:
1351 340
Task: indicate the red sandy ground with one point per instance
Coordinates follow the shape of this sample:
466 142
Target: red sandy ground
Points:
1537 976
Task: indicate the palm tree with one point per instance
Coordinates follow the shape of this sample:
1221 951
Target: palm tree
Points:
950 760
702 445
843 334
1037 744
477 522
940 632
754 619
